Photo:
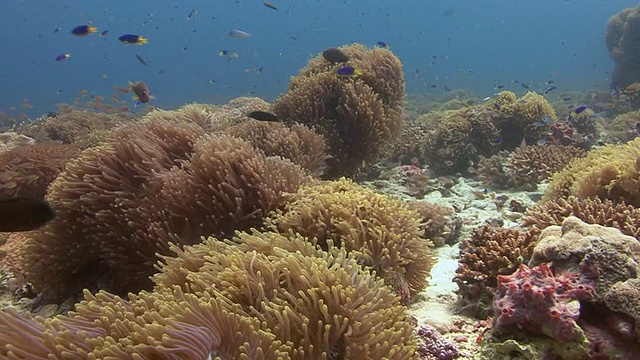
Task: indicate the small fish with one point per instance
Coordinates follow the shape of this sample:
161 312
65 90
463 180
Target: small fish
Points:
498 87
334 56
57 29
566 98
448 12
83 30
605 105
133 39
63 57
525 85
632 88
498 141
104 33
550 82
212 81
382 44
191 13
142 91
141 59
224 52
239 34
24 214
270 5
160 72
348 71
263 116
551 88
580 109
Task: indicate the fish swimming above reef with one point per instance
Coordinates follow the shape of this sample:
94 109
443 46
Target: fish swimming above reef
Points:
632 88
270 5
133 39
334 55
141 60
62 57
263 116
239 34
348 71
141 91
83 30
24 214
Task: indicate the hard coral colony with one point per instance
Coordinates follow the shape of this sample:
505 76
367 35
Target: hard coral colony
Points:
323 225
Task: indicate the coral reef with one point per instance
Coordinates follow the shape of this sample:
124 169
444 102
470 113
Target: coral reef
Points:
28 170
230 304
526 166
434 346
580 248
623 217
381 229
624 127
358 116
81 128
439 223
121 202
611 172
622 42
488 253
10 140
539 302
301 145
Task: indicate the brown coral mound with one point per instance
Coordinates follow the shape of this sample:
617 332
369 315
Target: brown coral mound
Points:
121 203
28 170
298 143
439 223
358 116
81 128
611 172
383 230
488 253
623 217
204 115
526 166
622 39
231 302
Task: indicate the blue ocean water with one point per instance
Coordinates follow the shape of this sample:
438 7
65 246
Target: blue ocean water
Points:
457 44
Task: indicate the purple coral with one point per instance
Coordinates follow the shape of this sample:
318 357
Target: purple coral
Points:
542 303
434 346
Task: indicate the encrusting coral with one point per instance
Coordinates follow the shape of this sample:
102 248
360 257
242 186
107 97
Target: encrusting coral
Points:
28 170
222 300
611 172
121 202
383 230
488 253
357 115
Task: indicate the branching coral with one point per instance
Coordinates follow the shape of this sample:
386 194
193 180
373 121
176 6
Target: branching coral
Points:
623 217
157 182
297 143
358 116
383 230
488 253
231 303
612 172
527 165
28 170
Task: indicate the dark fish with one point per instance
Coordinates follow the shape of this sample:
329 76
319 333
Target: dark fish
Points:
141 59
83 30
142 91
133 39
62 57
498 87
448 12
525 85
24 214
105 32
580 109
348 71
270 5
334 56
382 44
551 88
263 116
